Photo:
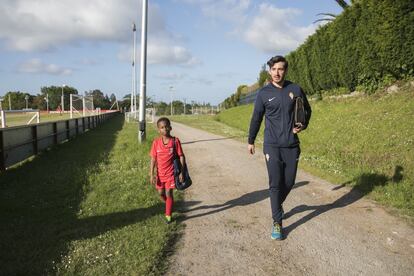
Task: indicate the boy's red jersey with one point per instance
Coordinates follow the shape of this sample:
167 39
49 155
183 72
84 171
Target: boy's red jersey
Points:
164 156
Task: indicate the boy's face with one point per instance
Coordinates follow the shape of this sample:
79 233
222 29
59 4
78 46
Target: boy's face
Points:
164 128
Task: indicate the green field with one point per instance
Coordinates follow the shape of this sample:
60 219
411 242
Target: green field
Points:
85 208
367 142
18 119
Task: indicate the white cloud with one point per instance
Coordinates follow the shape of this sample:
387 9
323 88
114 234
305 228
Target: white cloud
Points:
171 76
161 51
39 25
272 31
266 27
36 66
228 10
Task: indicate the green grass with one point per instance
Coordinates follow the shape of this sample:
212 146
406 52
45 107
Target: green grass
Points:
365 142
18 119
85 208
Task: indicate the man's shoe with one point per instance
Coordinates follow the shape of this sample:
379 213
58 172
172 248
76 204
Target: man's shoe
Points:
276 231
168 219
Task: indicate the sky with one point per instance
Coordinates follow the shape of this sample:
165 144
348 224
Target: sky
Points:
198 50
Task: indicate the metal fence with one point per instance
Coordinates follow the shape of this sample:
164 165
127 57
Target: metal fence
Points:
20 142
249 98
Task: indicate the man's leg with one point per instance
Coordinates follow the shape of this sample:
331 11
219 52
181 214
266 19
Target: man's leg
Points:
275 171
290 157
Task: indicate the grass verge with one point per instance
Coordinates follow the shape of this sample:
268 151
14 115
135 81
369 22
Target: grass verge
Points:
365 142
85 208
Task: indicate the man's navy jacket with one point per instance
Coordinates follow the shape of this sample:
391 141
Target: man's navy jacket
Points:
277 105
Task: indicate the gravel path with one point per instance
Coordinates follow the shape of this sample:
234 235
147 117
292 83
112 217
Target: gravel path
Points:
330 230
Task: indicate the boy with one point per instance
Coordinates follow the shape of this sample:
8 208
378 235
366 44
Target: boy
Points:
162 157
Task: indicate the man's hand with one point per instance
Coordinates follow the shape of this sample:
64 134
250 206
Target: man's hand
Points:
297 128
250 148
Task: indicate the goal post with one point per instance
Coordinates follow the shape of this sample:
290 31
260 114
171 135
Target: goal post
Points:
81 105
19 117
133 116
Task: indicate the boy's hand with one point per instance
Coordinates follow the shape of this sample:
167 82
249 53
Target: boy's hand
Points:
153 180
181 177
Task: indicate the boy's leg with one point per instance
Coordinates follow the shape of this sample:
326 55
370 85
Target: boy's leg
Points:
162 194
290 157
275 171
169 202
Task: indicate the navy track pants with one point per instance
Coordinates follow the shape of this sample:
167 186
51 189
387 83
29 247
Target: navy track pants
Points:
282 164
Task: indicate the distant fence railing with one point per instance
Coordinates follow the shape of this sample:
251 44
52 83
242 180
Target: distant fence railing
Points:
249 98
20 142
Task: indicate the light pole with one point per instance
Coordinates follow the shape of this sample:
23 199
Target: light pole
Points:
143 79
171 99
26 98
1 100
62 99
134 73
185 100
47 102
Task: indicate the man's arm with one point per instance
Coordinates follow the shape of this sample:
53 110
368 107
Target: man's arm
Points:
308 110
255 122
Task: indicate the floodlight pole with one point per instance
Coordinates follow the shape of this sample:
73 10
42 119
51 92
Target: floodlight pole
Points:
26 98
134 73
171 99
62 99
143 79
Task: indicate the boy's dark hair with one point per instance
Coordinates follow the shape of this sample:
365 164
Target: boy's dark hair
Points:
277 59
164 119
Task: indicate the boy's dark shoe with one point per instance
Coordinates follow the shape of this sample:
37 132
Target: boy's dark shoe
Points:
276 231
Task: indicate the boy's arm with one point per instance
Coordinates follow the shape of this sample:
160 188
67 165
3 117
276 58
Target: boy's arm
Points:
182 161
153 177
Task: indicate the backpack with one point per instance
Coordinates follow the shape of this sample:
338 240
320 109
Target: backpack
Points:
177 170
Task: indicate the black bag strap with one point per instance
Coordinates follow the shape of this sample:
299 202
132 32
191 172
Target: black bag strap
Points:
174 149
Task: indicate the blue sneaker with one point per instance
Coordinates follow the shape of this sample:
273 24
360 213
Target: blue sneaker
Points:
276 231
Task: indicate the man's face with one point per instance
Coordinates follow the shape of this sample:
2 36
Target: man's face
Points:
277 72
164 128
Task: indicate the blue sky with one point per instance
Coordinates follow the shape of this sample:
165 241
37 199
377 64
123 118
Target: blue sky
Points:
204 49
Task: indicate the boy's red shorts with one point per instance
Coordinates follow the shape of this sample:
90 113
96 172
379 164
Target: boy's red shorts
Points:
168 183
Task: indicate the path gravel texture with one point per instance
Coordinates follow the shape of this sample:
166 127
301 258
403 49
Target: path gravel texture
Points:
329 229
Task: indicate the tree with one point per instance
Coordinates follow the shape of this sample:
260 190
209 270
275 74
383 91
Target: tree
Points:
55 95
99 100
342 3
263 76
17 100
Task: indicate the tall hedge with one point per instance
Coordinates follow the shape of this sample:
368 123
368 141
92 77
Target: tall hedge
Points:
369 41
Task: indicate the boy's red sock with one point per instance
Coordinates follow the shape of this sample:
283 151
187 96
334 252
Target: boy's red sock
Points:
168 206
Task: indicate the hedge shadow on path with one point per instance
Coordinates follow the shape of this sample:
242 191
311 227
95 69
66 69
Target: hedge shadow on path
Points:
364 184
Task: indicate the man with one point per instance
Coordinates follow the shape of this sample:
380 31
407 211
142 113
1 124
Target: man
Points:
281 144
